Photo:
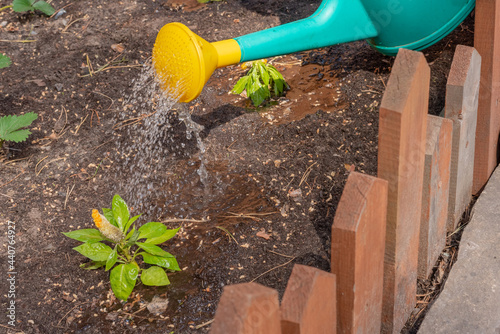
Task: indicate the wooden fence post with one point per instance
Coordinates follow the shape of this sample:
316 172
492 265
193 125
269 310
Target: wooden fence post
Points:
435 193
402 130
358 244
247 308
462 94
309 302
487 43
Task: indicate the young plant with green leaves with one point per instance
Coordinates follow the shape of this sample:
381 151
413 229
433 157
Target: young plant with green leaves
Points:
22 6
115 227
261 81
11 127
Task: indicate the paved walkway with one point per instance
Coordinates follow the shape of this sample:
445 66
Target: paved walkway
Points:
470 301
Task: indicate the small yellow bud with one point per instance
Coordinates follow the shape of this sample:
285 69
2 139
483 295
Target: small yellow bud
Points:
106 228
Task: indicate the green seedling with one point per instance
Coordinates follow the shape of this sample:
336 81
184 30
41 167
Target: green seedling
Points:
4 61
22 6
11 127
261 81
115 227
205 1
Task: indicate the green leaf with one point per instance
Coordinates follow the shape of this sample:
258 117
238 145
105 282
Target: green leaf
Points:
152 230
154 276
22 6
153 250
85 235
165 262
92 265
44 7
260 96
123 278
108 213
167 235
110 262
131 221
120 211
17 136
264 75
95 251
240 85
133 238
4 61
11 123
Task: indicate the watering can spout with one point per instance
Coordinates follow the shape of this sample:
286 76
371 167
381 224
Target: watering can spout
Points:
184 61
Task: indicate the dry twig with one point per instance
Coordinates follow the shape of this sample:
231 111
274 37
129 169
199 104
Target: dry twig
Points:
281 265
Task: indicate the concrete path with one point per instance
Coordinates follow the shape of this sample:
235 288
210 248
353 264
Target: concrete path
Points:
470 301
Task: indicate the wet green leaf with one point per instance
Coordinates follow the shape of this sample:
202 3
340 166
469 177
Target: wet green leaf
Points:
120 211
108 213
152 230
133 238
165 262
85 235
110 262
153 250
92 265
156 233
167 235
95 251
154 276
240 85
131 221
123 278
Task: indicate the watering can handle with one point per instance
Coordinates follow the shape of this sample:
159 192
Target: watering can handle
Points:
334 22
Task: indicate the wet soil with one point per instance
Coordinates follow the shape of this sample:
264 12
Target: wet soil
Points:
276 173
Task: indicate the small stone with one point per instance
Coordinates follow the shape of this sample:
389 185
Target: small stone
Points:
263 234
158 305
118 48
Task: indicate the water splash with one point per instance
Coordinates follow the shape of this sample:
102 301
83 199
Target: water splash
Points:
152 139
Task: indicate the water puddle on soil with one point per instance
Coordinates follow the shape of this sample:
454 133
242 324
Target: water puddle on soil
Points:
164 171
312 87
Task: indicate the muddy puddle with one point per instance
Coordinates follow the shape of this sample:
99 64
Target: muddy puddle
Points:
313 87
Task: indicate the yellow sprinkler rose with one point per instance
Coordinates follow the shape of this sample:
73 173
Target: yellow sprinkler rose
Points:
106 228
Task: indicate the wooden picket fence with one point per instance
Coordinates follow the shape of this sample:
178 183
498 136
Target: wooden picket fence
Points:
389 230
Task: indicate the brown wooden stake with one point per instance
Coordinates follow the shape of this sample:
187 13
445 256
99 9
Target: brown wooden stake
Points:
358 243
247 308
487 43
309 302
462 94
402 131
435 193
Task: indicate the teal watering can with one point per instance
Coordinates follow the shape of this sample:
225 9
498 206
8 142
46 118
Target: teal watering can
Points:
185 61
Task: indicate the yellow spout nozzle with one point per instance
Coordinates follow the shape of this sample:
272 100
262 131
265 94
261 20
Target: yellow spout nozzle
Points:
184 61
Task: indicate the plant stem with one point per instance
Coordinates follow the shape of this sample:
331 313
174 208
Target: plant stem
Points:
5 7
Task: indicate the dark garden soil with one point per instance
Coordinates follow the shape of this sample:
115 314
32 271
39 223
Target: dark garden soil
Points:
276 173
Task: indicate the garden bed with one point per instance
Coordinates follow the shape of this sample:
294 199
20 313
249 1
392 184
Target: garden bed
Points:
276 174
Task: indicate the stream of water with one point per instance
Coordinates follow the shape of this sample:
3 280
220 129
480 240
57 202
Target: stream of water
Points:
152 139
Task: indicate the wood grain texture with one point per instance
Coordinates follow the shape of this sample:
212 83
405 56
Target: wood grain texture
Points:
309 302
247 308
358 246
435 193
402 131
487 43
462 95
